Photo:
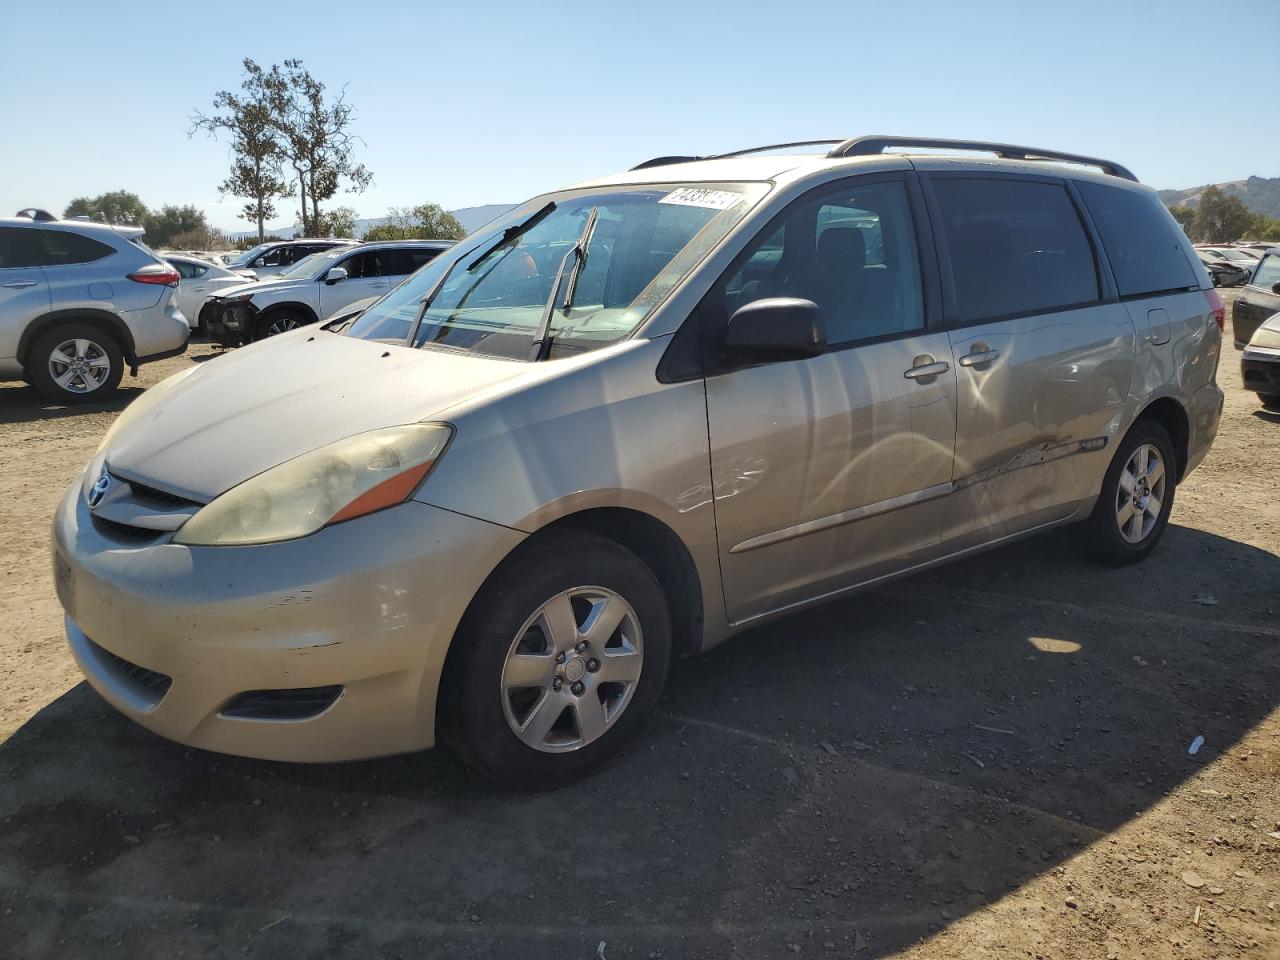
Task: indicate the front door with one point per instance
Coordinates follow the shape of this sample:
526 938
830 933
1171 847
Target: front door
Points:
366 277
831 470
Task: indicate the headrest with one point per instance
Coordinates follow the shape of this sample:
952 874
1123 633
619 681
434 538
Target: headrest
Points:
842 248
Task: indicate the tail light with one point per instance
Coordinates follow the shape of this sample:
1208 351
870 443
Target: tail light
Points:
156 273
1217 307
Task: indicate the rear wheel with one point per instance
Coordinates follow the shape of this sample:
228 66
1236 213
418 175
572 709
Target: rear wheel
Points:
75 363
1136 500
1270 400
277 322
559 661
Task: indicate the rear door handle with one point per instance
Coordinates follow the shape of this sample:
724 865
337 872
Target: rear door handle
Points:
926 370
18 284
977 357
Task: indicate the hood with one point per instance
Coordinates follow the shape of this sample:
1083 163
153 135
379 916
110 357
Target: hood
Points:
270 285
239 414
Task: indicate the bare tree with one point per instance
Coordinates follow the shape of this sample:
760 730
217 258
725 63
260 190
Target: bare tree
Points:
251 120
316 138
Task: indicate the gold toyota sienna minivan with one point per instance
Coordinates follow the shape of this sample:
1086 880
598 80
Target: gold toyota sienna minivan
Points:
622 423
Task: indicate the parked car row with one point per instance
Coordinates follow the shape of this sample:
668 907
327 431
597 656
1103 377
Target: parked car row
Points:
80 302
626 421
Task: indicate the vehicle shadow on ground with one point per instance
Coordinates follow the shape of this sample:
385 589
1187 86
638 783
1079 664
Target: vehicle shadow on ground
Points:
857 776
22 404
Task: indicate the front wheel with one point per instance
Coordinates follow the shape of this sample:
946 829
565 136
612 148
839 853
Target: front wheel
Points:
1136 500
75 363
559 661
278 322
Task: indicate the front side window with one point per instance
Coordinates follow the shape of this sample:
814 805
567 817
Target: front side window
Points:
18 248
646 239
364 266
1268 272
851 251
1142 240
1017 247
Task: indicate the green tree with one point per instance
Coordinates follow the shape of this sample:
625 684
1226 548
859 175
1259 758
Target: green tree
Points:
170 221
1220 217
1184 215
1263 228
115 207
249 120
426 221
338 222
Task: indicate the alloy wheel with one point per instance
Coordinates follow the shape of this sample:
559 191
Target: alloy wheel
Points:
572 669
79 366
282 325
1140 493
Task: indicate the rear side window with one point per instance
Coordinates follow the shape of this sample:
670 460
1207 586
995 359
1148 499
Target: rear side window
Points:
1140 240
62 248
1268 272
1017 247
398 261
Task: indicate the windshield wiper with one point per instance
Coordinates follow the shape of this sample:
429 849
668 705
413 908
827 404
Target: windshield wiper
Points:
511 233
542 336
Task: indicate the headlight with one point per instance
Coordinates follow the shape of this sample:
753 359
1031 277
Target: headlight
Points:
341 481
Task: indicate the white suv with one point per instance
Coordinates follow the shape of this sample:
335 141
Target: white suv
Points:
78 302
315 289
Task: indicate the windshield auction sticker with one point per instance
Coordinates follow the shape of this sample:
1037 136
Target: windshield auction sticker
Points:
698 197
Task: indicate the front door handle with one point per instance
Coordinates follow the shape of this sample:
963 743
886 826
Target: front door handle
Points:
930 368
976 357
18 284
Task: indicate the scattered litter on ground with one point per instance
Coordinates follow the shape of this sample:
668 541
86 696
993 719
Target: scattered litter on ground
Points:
982 726
980 764
1205 600
1196 744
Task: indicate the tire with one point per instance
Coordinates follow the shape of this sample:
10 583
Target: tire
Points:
1270 400
275 322
482 699
1100 536
98 352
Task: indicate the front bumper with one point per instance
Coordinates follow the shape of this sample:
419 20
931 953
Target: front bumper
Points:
229 324
370 605
1260 369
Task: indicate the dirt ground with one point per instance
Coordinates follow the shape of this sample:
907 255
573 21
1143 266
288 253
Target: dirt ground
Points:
986 761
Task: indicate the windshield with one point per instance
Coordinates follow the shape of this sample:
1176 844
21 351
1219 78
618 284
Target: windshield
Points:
646 240
248 255
312 265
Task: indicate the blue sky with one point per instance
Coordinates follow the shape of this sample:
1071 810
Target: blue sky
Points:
472 103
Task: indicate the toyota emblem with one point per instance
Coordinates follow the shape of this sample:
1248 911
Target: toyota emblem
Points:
99 489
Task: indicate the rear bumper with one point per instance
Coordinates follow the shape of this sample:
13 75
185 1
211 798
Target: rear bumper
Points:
1203 416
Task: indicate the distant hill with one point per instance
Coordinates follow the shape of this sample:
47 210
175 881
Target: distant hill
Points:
471 218
1259 194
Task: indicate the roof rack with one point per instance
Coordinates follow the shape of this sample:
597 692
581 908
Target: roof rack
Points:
869 146
665 161
35 213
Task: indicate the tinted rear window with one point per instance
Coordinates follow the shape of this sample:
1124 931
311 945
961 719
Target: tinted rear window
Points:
1141 240
61 248
1017 247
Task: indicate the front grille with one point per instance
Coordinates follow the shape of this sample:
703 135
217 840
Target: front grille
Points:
147 683
125 531
143 492
301 703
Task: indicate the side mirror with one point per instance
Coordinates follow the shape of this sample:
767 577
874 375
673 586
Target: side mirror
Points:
335 274
1275 288
776 328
